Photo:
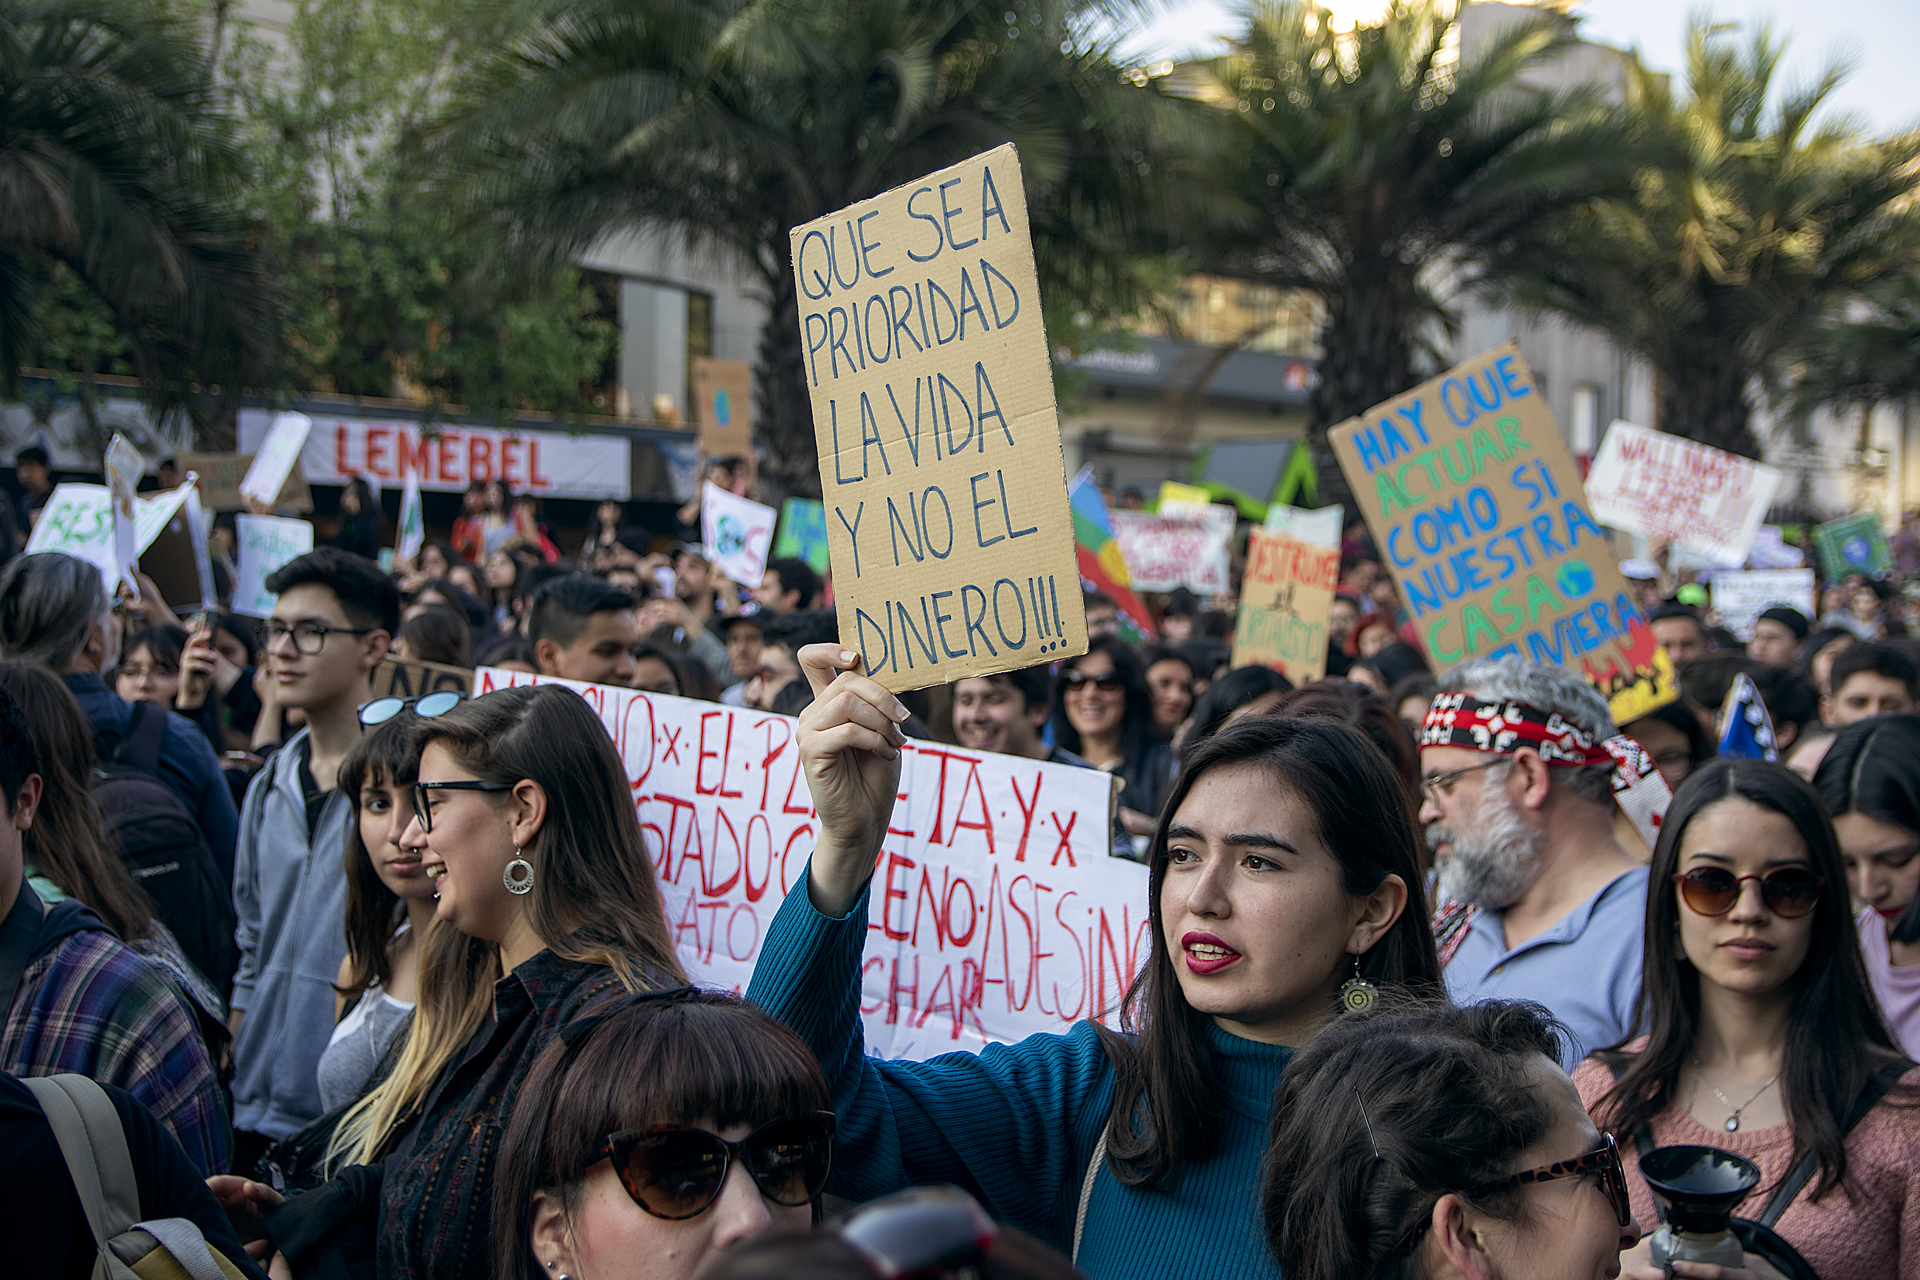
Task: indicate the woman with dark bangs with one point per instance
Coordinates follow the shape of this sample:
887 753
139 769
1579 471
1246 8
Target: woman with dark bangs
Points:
1280 889
656 1131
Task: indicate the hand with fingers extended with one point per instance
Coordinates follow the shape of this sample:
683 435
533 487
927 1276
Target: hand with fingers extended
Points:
850 742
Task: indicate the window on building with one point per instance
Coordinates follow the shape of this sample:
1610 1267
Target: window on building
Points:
1584 427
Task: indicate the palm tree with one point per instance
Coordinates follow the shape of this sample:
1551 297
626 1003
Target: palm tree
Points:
1869 357
731 121
1724 262
1378 173
119 170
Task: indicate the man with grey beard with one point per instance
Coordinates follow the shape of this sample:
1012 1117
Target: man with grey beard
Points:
1522 768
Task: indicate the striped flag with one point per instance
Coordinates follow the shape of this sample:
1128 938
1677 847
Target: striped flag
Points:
1100 560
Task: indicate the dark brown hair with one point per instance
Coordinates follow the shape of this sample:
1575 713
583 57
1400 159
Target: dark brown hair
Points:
685 1057
436 634
384 756
68 843
1166 1102
1836 1037
1382 1115
1367 711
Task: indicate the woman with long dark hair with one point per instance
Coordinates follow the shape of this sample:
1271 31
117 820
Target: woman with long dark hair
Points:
1760 1031
613 1165
361 521
1870 781
1281 870
1103 713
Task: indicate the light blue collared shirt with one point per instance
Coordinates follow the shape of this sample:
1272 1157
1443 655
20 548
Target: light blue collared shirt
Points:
1585 969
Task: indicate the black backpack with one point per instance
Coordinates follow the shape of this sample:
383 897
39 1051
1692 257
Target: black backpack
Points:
162 844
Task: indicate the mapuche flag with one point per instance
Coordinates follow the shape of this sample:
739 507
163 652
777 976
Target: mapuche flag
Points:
1099 554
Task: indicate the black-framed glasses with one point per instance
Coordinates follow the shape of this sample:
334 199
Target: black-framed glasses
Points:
676 1171
1603 1160
423 810
1789 892
1108 683
1440 785
308 637
427 705
920 1234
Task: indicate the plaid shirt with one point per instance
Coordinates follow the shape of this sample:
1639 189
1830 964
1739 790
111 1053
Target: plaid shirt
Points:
89 1004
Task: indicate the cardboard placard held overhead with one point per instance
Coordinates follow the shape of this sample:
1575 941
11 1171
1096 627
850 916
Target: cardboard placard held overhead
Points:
1698 498
266 543
124 465
1286 603
803 533
1185 546
737 533
220 476
1852 544
1740 598
78 519
723 406
940 464
1477 508
274 460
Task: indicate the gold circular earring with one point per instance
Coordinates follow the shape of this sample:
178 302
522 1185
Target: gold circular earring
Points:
1357 995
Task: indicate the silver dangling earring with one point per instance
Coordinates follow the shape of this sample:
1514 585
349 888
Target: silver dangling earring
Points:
1357 995
518 876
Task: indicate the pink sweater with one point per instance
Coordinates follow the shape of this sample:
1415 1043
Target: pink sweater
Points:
1873 1236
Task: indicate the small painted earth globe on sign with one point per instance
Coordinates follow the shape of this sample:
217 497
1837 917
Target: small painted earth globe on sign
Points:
1857 551
1575 578
722 407
730 538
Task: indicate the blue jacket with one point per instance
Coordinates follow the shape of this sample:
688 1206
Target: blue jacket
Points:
187 763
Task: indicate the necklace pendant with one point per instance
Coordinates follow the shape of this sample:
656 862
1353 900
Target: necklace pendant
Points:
1733 1123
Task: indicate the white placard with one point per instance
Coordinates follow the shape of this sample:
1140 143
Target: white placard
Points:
1699 498
736 533
124 468
1740 598
266 543
1317 528
996 909
1183 548
274 458
78 519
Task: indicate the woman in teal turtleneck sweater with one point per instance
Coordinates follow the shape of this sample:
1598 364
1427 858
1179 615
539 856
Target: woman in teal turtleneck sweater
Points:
1279 870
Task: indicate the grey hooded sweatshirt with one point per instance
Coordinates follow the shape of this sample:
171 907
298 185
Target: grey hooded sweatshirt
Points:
289 894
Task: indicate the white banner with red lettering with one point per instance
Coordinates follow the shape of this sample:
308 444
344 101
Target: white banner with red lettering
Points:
1699 498
448 457
996 910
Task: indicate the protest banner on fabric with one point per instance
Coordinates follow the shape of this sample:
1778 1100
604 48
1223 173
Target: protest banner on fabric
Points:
1183 550
1471 496
1740 598
736 533
399 678
803 533
124 467
275 456
266 543
940 461
1286 602
1699 498
78 519
450 456
411 533
1319 528
996 909
220 476
1852 544
723 406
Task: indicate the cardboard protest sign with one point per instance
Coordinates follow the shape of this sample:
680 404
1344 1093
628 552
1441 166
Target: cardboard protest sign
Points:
124 467
399 678
266 543
1703 499
996 910
1472 498
220 476
940 462
1286 602
1852 544
803 533
723 406
274 460
1315 528
1740 598
1164 551
78 519
736 533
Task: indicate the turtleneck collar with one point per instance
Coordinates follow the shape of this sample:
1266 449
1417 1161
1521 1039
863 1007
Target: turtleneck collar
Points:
1249 1070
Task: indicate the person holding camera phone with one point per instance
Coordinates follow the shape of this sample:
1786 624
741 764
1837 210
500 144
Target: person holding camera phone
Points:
1760 1036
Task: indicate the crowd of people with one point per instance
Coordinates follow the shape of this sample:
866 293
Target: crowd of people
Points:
383 986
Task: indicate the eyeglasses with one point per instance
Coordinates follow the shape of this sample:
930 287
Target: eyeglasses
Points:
1440 785
424 811
308 637
677 1172
137 674
1789 892
920 1234
427 705
1605 1161
767 675
1109 683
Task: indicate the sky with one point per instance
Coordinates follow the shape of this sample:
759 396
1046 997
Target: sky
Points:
1879 36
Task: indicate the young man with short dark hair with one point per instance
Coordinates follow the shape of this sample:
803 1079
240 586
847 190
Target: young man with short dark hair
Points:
1679 630
583 629
1869 679
788 584
1778 634
334 621
743 634
1005 712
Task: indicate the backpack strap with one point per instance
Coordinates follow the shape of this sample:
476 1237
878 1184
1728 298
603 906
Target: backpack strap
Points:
95 1148
1802 1172
146 735
1086 1192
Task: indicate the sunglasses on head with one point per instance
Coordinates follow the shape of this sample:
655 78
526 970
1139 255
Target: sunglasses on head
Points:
1109 683
427 705
1789 892
677 1172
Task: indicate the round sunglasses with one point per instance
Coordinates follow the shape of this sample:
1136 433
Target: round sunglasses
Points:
1789 892
677 1172
427 705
